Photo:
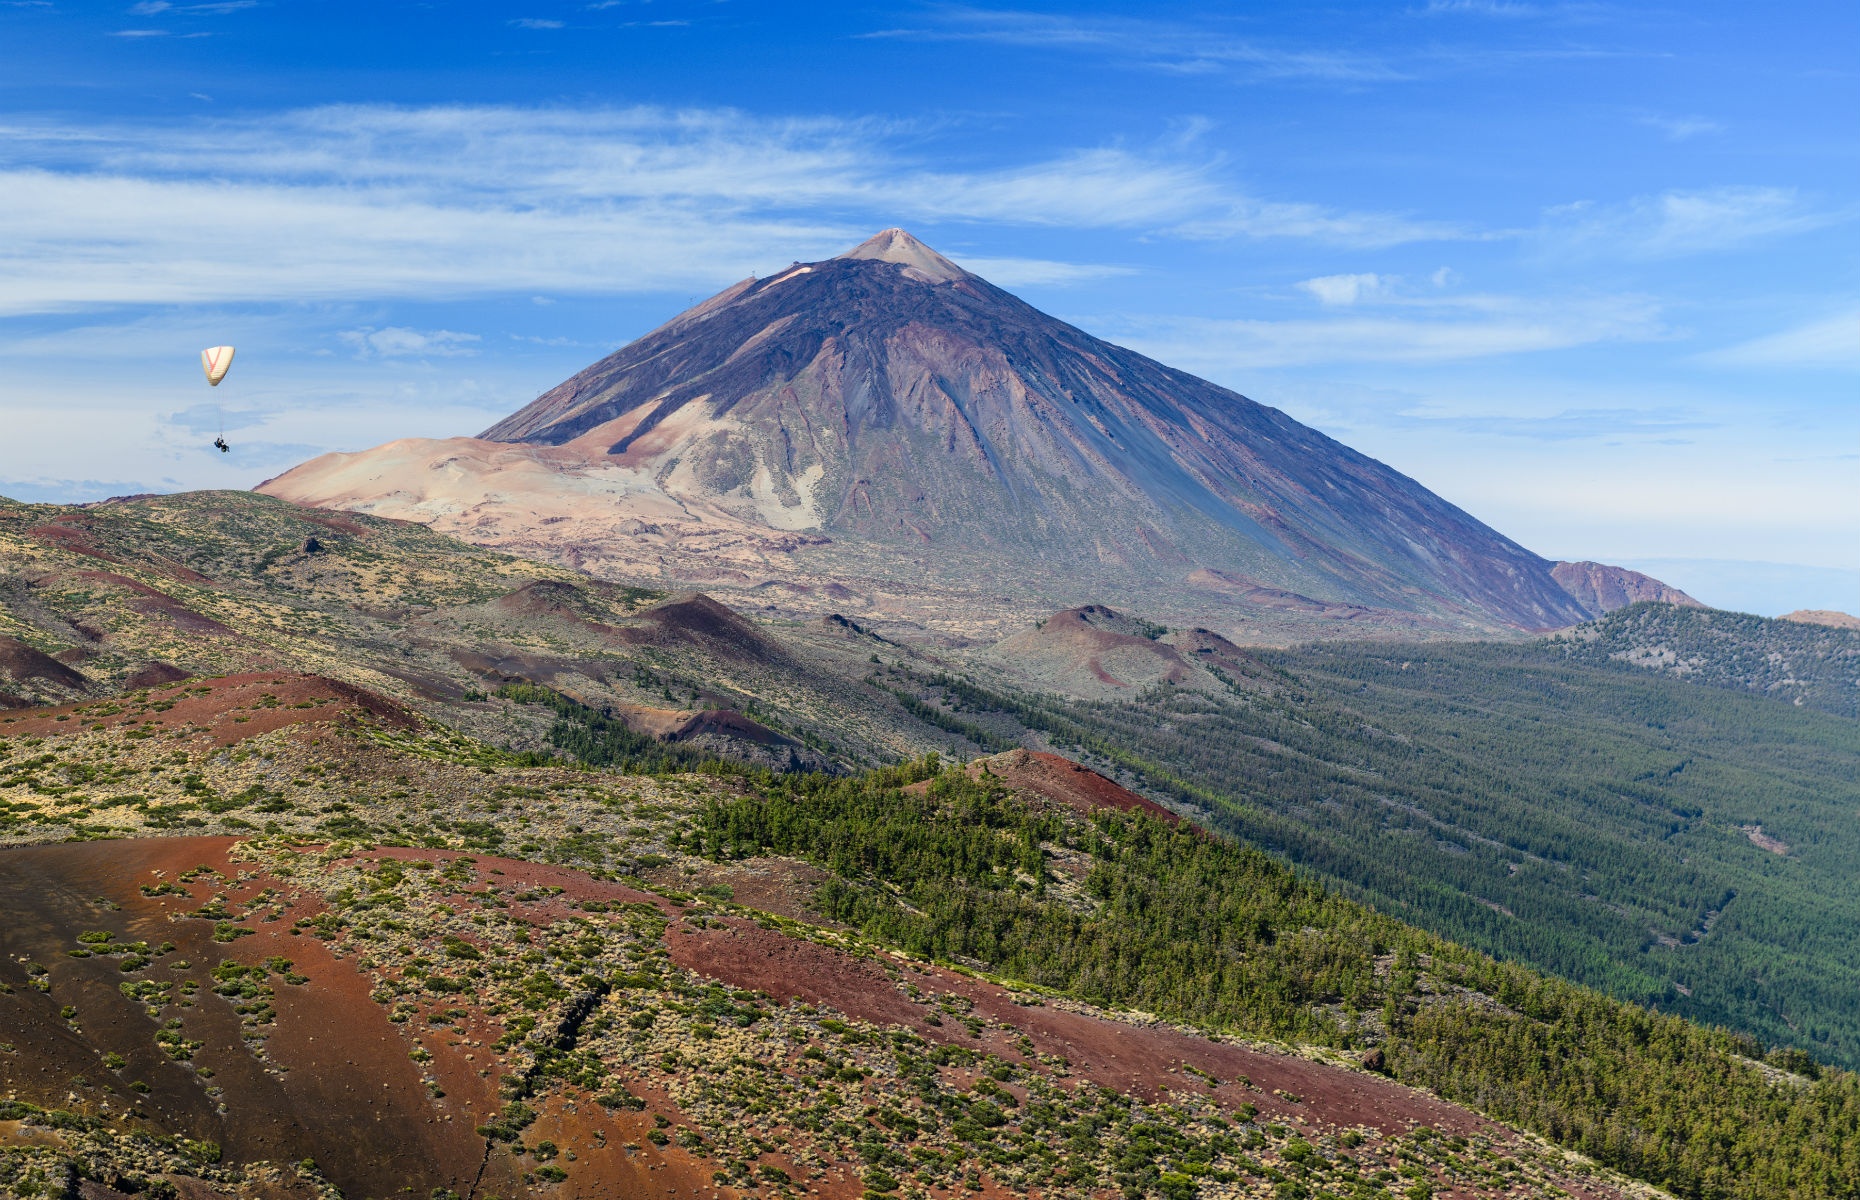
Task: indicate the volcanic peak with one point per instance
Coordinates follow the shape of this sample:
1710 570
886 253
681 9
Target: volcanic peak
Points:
896 246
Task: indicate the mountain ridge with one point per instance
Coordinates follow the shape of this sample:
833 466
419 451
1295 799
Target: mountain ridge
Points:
891 421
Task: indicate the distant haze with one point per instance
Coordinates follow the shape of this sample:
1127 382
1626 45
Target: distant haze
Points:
1765 588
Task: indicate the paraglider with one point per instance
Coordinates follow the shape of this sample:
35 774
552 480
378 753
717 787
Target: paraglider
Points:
214 360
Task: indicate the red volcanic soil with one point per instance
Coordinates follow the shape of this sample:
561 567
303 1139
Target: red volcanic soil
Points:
227 709
1141 1060
333 1081
20 662
70 532
1060 779
693 618
678 725
153 602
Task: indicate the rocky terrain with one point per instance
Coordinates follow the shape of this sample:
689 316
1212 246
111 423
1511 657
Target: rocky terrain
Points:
887 435
1600 588
343 857
538 989
1095 652
161 588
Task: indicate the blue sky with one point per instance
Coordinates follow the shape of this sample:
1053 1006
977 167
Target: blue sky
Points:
1588 270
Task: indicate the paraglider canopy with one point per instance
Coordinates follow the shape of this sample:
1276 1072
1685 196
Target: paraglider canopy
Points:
214 360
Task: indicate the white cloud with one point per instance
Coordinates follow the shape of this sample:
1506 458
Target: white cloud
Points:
138 33
1368 230
149 8
1341 291
1489 327
1479 8
1158 45
1831 342
372 201
1676 223
1037 272
396 341
536 23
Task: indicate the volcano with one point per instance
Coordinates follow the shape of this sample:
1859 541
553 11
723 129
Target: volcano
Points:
886 422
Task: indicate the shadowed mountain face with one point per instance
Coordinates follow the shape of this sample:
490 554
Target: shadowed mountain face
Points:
888 395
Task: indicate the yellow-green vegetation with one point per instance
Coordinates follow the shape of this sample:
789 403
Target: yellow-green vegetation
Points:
133 1162
224 582
779 1097
425 787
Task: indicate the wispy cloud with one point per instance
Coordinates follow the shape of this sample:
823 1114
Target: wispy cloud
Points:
149 8
1830 342
1478 8
1152 44
78 491
1485 327
1252 218
536 23
353 202
1661 426
396 341
1680 129
1511 10
1035 272
1683 222
214 418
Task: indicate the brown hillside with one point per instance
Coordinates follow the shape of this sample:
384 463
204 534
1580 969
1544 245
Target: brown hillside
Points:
1822 616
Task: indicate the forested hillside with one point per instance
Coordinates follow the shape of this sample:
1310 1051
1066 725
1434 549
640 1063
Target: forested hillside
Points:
1197 928
1674 845
1816 666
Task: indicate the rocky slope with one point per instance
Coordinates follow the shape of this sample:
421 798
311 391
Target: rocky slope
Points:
276 930
259 1017
890 423
93 600
1600 588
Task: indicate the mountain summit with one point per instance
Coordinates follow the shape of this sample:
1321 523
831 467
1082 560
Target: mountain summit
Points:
887 419
896 246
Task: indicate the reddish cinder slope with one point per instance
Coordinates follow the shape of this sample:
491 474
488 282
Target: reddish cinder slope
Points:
1060 779
221 710
331 1081
330 1058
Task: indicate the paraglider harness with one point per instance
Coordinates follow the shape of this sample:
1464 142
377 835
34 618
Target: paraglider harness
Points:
214 360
